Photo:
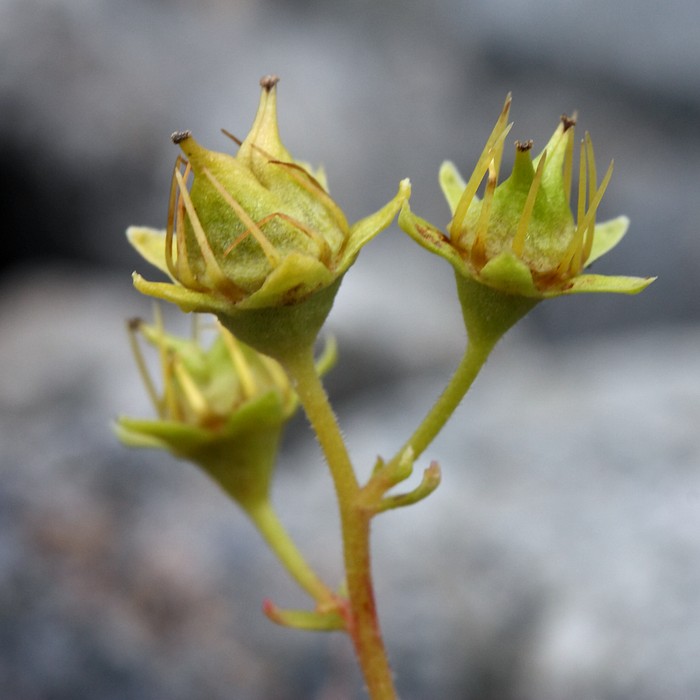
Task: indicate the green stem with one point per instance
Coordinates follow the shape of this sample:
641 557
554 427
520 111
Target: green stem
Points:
268 524
461 381
363 625
488 314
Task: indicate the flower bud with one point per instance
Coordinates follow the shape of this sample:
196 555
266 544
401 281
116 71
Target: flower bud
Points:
222 407
255 232
521 237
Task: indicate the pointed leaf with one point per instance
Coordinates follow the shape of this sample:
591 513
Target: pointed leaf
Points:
425 234
304 619
605 283
186 299
430 481
364 230
150 243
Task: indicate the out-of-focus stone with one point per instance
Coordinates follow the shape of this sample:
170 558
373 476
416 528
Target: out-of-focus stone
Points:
559 558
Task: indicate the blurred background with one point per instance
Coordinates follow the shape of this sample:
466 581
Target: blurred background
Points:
560 558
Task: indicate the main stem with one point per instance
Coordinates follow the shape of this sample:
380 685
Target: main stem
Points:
363 625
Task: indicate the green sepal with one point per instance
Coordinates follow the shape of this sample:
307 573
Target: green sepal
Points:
150 244
239 455
607 235
508 274
430 237
366 229
386 475
187 299
615 284
316 621
429 482
452 184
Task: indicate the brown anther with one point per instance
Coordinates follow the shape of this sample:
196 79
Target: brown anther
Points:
568 121
268 82
523 146
180 136
134 323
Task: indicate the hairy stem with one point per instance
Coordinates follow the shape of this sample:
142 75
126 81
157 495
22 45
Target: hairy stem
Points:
363 625
469 367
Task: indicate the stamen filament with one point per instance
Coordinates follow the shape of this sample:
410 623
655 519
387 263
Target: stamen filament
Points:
493 144
478 247
582 172
569 162
218 278
133 327
589 219
314 187
279 378
182 264
241 365
171 220
583 225
325 251
169 407
267 247
568 262
194 396
233 138
518 244
592 184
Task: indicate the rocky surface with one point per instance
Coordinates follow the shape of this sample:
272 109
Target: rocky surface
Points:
560 558
91 91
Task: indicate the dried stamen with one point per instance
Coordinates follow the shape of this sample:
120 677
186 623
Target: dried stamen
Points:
324 248
240 364
184 270
171 221
267 247
218 278
194 397
233 138
568 155
134 326
494 143
592 184
578 250
478 248
306 180
168 404
279 379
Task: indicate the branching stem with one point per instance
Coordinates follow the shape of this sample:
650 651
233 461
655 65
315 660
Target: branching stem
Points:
363 625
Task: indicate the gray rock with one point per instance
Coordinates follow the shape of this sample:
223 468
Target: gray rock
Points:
559 558
89 93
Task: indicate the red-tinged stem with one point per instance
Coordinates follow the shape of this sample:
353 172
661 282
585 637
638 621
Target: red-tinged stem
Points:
363 623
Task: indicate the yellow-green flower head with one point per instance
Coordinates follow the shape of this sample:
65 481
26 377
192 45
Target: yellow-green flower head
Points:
222 406
255 230
521 237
